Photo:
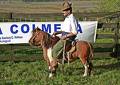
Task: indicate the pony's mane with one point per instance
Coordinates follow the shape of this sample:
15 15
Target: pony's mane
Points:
46 37
36 29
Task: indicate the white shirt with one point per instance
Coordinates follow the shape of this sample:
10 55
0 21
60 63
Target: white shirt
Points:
70 24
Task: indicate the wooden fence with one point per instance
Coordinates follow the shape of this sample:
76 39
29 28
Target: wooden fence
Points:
108 22
115 36
101 16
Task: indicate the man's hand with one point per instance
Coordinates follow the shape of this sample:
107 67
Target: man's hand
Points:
64 37
54 34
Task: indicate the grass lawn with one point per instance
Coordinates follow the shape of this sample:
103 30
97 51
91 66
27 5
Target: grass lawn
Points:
106 72
106 69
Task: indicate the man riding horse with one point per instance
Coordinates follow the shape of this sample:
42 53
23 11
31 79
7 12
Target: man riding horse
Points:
53 47
68 30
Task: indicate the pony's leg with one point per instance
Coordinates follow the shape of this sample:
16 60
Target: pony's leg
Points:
85 63
53 68
49 54
88 67
86 70
53 63
91 55
46 56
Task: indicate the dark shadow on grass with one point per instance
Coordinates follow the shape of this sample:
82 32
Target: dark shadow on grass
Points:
106 68
97 70
102 49
101 58
75 71
69 70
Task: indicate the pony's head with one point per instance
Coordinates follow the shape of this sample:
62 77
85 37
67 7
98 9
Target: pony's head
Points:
36 37
41 38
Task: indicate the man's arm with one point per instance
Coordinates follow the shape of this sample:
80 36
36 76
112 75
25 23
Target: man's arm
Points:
70 34
58 32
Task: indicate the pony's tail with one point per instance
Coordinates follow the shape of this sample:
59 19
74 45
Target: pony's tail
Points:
91 51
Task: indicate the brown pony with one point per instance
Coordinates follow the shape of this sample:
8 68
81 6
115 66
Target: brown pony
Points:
83 51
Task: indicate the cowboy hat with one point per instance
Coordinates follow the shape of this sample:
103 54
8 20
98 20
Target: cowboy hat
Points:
66 6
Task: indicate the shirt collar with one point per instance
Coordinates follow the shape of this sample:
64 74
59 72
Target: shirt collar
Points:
69 15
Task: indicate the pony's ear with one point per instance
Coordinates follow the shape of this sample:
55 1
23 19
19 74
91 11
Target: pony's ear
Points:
38 29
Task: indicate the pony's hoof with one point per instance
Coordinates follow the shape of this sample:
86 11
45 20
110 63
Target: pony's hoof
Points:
85 75
51 75
59 63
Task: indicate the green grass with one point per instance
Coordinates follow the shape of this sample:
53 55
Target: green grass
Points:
106 69
104 40
105 72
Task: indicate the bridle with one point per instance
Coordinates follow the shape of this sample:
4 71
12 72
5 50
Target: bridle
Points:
45 39
32 39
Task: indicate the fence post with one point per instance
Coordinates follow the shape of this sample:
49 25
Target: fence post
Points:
11 15
11 54
116 39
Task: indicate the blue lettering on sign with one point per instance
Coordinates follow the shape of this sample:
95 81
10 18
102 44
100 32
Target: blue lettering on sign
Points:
12 27
1 31
57 27
46 29
23 28
33 26
79 29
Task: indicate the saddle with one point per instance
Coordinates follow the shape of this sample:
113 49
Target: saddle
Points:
70 47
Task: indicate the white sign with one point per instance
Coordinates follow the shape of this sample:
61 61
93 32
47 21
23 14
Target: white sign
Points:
20 32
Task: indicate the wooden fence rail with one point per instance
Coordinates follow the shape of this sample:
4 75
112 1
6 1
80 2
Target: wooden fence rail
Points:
59 16
115 36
